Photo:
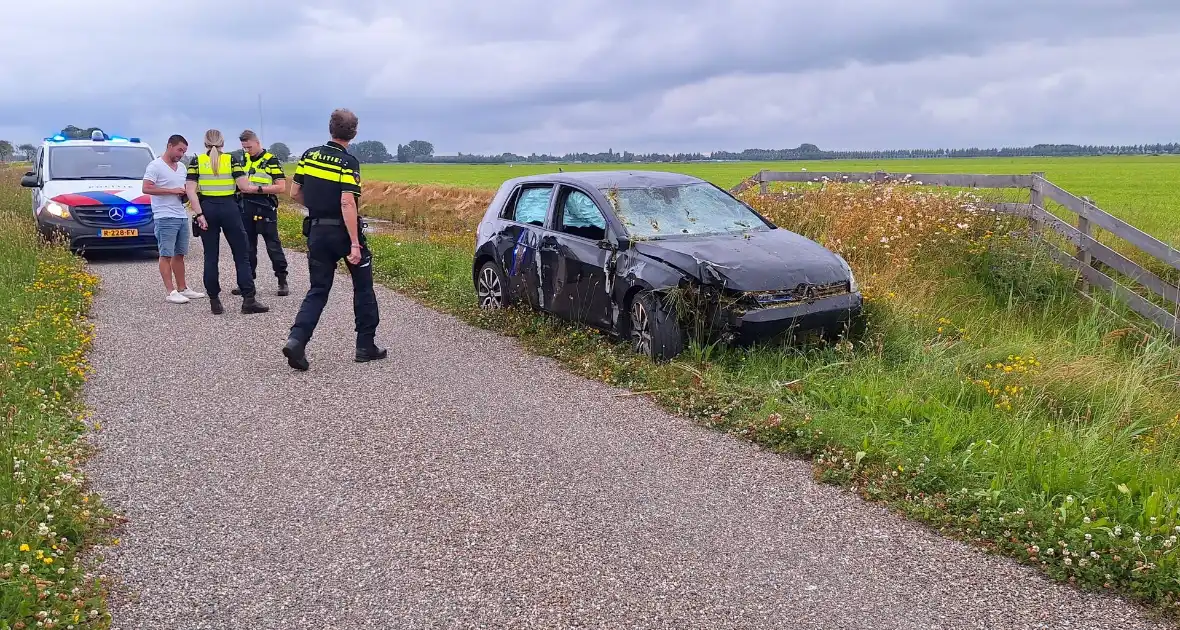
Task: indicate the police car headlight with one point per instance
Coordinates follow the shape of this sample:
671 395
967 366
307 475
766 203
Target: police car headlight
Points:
57 210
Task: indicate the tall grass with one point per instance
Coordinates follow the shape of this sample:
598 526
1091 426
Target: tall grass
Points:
47 516
985 397
1138 189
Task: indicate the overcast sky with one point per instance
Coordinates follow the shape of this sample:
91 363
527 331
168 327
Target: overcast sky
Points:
579 75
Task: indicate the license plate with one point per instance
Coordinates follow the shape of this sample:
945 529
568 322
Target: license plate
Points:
121 232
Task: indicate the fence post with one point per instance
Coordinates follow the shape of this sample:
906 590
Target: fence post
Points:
1083 254
1036 198
763 185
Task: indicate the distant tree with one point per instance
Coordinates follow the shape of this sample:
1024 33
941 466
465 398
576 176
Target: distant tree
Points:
29 151
419 149
403 154
6 150
370 151
281 151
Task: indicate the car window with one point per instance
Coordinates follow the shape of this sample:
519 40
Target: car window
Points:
581 216
532 205
699 208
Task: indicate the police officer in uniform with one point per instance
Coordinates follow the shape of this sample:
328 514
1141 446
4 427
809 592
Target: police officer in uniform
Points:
327 182
211 185
263 180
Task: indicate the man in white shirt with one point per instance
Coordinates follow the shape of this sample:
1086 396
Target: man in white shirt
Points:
164 182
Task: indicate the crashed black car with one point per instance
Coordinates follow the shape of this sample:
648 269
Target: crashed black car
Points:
654 257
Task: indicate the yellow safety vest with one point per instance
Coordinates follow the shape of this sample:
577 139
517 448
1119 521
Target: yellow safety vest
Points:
219 185
256 169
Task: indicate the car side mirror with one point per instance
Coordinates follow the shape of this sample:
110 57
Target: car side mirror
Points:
624 243
29 180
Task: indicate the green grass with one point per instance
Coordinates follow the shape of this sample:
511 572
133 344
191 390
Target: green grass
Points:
46 514
1141 190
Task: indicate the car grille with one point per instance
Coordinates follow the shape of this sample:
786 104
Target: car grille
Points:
801 293
100 216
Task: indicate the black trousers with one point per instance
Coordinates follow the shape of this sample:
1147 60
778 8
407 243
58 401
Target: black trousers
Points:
326 247
224 216
268 229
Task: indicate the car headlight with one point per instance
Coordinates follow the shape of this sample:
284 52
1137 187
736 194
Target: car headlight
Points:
853 287
57 210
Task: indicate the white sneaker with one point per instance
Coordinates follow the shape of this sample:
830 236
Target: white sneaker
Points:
192 295
176 298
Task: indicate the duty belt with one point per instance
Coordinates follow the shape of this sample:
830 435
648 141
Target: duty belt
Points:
327 222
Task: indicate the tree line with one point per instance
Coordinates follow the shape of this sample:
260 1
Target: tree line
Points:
375 152
419 151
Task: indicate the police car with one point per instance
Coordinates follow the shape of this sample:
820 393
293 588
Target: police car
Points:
91 192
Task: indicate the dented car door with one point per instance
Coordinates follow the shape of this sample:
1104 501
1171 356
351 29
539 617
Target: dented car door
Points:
575 268
528 212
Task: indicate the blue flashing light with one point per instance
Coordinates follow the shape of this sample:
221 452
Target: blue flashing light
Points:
59 138
132 210
134 139
118 139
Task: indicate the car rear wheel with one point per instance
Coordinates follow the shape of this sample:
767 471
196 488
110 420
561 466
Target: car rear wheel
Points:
491 288
653 329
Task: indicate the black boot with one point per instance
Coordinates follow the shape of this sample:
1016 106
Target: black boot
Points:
215 306
296 355
251 305
283 290
236 292
370 353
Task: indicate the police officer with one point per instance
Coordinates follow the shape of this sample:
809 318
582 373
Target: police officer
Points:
263 180
210 184
327 182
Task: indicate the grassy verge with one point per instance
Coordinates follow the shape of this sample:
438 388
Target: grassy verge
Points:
986 398
47 516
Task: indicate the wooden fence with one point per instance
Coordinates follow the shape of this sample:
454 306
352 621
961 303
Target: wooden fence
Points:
1080 235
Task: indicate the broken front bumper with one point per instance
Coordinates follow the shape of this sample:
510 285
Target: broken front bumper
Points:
763 323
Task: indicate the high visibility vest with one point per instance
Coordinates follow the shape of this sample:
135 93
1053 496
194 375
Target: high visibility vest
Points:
215 185
256 169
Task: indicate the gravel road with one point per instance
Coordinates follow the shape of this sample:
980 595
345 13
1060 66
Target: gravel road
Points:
463 483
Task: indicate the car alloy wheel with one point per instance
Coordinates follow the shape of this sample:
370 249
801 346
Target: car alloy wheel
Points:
640 328
489 288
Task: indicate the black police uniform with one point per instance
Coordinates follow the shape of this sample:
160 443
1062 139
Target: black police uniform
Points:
324 173
260 217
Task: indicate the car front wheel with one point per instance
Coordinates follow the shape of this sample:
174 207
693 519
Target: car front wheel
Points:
653 329
491 288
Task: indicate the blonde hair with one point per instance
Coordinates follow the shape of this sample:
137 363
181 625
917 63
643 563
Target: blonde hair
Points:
214 142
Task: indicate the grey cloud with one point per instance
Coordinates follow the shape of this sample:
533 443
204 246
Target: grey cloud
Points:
528 75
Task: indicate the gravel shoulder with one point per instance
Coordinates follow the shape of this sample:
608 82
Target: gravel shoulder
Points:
463 483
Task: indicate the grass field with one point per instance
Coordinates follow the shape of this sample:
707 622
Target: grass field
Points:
1143 190
986 398
47 516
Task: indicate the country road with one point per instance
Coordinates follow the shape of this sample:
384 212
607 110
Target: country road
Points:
463 483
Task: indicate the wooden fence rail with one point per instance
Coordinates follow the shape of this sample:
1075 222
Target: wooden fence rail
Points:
1087 249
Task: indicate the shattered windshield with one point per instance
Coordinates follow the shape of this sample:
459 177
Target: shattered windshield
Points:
699 208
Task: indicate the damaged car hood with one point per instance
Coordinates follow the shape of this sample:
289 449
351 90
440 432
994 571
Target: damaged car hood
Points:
753 261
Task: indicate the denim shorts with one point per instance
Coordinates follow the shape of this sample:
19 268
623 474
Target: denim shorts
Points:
172 236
